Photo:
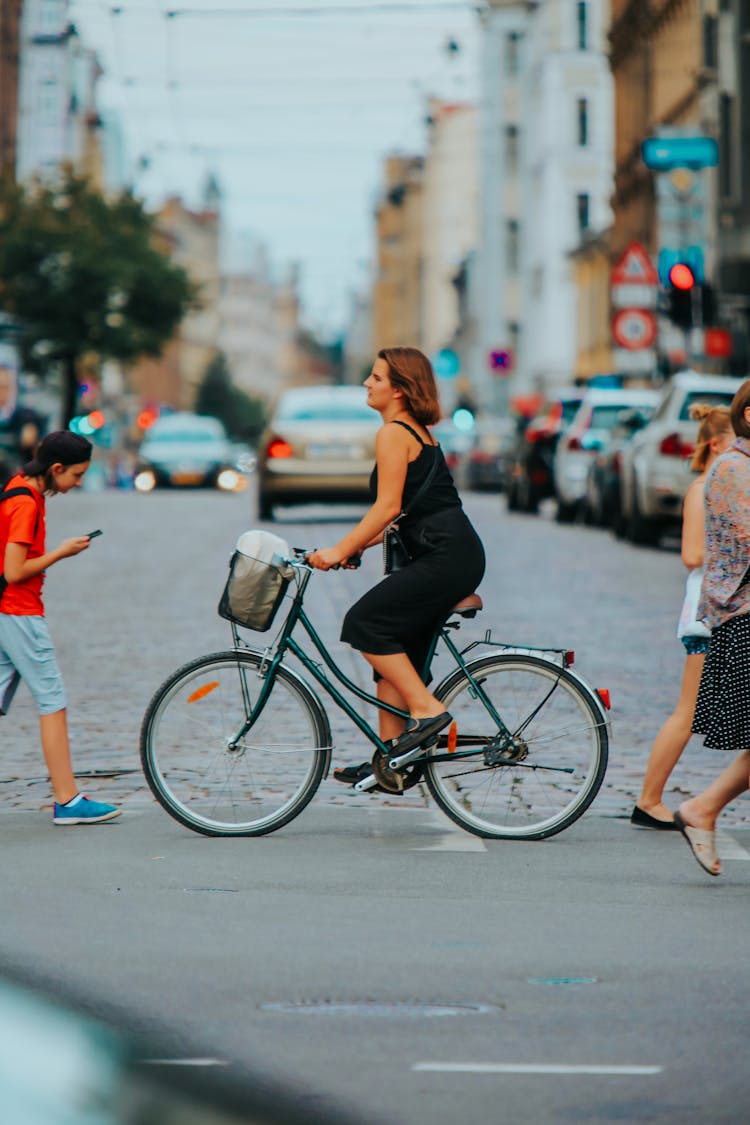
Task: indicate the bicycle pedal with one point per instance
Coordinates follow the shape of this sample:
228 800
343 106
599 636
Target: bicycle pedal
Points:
366 784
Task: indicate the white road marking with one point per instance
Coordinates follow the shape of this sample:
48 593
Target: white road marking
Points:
728 847
185 1062
531 1068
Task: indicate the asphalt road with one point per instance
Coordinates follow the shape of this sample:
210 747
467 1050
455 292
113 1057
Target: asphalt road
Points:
370 954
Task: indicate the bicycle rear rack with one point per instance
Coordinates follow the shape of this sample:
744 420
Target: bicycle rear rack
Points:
562 656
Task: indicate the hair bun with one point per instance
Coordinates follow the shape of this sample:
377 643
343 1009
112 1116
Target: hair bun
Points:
700 410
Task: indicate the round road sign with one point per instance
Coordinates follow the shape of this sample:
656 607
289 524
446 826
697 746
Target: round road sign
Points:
634 329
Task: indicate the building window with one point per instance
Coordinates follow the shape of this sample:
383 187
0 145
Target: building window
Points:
512 245
582 24
511 148
583 122
512 53
583 204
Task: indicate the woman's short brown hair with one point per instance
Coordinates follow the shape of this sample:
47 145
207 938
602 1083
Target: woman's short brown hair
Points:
411 371
714 420
740 403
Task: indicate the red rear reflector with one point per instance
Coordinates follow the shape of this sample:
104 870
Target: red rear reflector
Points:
570 658
603 693
452 738
277 447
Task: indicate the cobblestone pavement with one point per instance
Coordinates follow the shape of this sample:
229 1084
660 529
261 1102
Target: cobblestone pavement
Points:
143 600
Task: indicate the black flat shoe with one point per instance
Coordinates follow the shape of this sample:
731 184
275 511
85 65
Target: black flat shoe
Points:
350 775
418 731
643 819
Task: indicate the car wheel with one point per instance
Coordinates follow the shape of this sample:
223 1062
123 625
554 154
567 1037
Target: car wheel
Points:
265 506
566 513
641 530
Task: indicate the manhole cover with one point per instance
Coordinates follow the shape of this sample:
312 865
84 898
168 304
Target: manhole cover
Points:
405 1008
563 980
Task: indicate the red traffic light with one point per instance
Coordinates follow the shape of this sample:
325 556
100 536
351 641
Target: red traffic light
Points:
681 276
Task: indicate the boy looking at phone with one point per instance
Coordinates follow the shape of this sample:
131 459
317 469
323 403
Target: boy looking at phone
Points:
26 651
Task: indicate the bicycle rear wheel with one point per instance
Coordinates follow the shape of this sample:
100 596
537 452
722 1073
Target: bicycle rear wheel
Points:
560 745
212 787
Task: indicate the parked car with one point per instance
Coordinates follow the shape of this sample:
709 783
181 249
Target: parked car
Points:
318 446
602 502
186 451
483 464
532 474
656 463
588 434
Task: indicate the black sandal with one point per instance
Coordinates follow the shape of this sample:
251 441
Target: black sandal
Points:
350 775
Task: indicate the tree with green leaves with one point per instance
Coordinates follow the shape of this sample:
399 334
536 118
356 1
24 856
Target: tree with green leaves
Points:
83 274
243 415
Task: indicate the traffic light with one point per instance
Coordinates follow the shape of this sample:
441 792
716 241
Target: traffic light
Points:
679 303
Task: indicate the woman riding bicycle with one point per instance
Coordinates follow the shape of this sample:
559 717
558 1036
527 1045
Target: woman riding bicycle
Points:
393 624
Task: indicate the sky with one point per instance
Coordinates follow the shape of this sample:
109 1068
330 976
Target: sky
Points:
291 104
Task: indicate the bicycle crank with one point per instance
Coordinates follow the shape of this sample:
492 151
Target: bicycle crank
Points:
395 781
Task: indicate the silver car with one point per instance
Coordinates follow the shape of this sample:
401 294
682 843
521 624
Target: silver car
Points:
656 463
587 435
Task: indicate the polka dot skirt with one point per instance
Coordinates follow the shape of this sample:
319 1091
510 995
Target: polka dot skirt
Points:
722 712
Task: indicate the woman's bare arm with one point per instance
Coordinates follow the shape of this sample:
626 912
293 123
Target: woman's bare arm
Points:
693 525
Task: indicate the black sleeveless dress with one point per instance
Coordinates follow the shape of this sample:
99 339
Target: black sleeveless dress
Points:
403 611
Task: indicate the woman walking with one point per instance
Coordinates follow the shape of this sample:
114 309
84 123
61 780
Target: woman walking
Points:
392 625
715 435
722 714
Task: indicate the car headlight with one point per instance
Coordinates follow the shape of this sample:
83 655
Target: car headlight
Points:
228 480
145 481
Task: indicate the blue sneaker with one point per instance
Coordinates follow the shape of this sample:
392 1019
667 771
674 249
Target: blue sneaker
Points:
84 811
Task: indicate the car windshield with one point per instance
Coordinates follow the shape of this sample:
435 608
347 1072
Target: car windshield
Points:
569 410
605 416
174 437
328 410
710 398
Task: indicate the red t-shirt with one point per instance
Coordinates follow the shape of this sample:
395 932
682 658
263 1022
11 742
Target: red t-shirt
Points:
18 518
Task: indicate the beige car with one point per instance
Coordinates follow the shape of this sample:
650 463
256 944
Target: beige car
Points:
318 447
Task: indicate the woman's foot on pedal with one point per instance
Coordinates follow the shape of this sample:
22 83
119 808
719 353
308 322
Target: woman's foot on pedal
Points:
418 731
350 775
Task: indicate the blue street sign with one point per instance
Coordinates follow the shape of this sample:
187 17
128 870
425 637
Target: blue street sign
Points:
661 154
691 255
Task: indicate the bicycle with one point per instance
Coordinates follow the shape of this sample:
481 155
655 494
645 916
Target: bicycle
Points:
236 743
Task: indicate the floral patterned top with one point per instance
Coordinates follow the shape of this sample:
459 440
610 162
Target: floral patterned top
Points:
726 592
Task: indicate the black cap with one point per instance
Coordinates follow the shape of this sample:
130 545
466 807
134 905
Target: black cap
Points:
61 446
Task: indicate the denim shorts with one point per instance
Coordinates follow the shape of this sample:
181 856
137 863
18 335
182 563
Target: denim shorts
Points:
695 646
26 653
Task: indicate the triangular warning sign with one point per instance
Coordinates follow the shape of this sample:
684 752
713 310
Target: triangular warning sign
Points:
634 268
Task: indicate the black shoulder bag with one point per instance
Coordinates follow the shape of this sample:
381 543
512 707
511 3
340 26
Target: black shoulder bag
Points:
395 554
6 496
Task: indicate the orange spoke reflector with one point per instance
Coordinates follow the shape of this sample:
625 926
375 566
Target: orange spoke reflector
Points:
452 737
201 692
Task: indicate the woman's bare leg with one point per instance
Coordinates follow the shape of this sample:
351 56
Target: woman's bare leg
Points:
390 726
398 670
56 747
702 811
671 741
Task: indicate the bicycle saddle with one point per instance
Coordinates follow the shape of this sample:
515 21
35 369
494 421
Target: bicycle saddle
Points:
468 606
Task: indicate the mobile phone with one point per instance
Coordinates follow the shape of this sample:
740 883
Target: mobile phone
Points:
93 534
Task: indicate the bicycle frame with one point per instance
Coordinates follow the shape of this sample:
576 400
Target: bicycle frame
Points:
287 643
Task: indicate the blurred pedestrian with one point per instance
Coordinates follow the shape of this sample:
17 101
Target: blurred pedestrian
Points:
20 426
722 713
393 623
715 435
26 651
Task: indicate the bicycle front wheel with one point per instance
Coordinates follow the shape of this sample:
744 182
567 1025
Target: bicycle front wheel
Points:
220 787
553 767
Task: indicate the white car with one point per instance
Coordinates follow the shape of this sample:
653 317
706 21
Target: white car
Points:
587 435
656 463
